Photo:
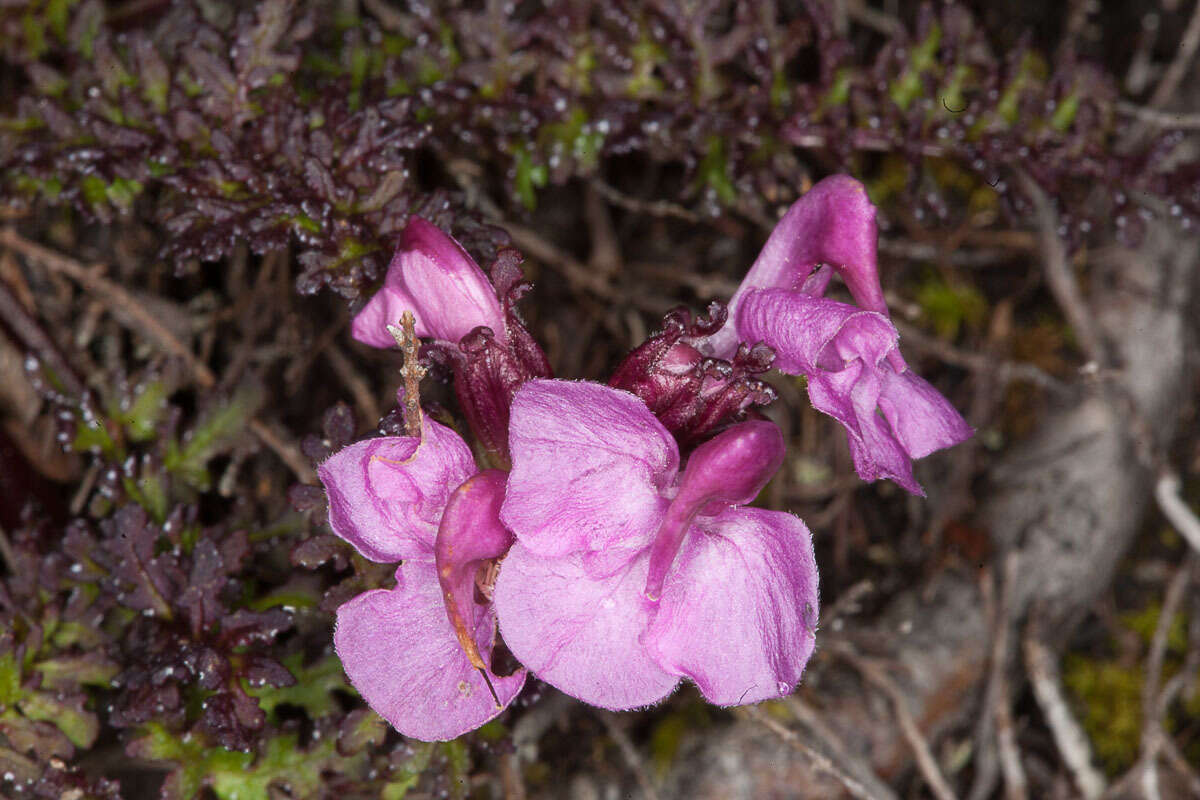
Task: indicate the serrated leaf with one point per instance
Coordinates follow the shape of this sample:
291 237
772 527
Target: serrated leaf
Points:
67 672
66 712
313 690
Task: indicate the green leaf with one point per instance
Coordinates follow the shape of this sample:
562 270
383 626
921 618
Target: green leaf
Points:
66 713
217 431
529 175
313 690
66 672
10 680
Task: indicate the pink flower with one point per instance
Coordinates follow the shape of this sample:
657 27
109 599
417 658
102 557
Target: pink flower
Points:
849 354
434 278
419 653
629 574
475 325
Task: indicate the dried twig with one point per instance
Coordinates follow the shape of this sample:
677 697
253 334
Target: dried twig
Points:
1015 783
632 758
1176 72
576 273
1161 119
31 334
876 675
835 748
1166 492
1154 703
1059 277
355 382
654 208
819 761
131 314
1068 735
7 557
1006 371
411 370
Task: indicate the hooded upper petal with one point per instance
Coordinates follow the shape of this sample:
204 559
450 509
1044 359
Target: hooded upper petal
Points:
386 495
848 357
402 655
922 419
579 633
738 613
832 224
432 276
589 464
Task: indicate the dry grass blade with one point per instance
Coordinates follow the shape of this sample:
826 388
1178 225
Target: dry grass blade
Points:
126 310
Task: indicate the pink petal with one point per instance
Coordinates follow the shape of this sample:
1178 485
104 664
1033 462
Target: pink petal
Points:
386 495
469 537
729 469
738 614
579 633
386 307
845 353
876 452
833 224
432 276
589 464
808 332
401 654
921 418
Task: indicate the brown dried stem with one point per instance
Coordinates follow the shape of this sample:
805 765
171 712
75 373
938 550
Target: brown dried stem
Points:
1072 743
411 370
819 761
877 676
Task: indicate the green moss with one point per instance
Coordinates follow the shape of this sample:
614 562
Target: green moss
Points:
1110 696
950 306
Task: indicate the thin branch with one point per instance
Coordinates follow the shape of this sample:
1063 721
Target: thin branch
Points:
819 761
1059 277
628 752
26 328
1015 782
1161 119
1178 69
1154 703
1068 735
1006 371
6 553
995 729
926 763
837 750
576 273
653 208
355 382
132 315
1166 492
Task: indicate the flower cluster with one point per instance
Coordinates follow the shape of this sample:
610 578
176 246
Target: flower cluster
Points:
616 552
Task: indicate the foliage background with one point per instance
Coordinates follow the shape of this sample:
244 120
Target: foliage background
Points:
198 195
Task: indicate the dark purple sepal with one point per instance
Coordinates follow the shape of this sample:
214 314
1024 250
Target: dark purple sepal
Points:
487 372
692 394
